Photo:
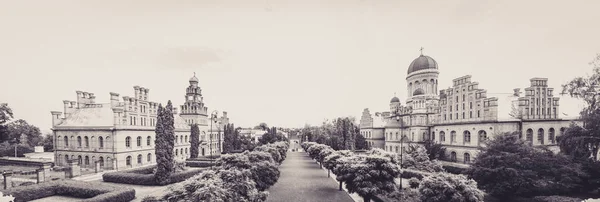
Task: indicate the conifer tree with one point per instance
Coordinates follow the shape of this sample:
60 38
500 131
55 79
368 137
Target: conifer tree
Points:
165 143
194 141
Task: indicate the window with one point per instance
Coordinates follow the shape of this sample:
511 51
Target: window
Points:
482 137
442 136
181 139
186 139
471 114
450 108
176 152
529 136
452 137
139 141
79 141
66 142
463 96
176 138
148 141
101 161
444 117
540 136
128 161
79 160
478 114
149 157
466 137
551 136
463 106
457 99
470 105
139 159
128 141
101 142
463 115
467 158
87 142
87 160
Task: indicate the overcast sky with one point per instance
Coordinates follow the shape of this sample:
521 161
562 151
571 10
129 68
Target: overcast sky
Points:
283 62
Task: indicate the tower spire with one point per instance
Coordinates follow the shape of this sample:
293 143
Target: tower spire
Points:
421 50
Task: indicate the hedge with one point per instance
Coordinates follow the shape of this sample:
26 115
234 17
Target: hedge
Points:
145 176
407 174
454 169
200 164
88 191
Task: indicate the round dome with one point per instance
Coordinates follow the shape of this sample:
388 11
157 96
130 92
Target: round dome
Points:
422 62
194 79
395 99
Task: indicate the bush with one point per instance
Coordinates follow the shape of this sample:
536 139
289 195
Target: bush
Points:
446 187
145 176
91 192
411 195
414 182
150 199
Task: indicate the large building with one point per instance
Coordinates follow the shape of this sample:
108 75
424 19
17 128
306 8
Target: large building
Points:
121 134
463 115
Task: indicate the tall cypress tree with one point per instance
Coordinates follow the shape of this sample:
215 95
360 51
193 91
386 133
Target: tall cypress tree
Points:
165 143
195 141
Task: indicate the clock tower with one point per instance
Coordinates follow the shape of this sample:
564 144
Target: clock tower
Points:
193 109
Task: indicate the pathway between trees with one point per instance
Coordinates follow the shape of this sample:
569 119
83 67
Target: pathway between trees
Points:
302 180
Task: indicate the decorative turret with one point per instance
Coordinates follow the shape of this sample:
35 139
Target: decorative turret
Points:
56 117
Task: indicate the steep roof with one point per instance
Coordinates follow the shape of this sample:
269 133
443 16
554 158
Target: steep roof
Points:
96 115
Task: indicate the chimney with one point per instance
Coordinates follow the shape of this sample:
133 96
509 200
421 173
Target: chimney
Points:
517 92
117 119
56 117
137 92
114 99
67 105
92 98
146 95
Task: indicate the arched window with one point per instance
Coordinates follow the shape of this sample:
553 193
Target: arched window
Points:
66 142
101 160
87 141
186 139
551 137
128 161
149 157
453 156
452 137
128 141
148 140
66 159
139 159
78 141
79 160
467 158
101 142
176 152
442 136
482 137
186 152
87 160
181 139
176 138
432 134
540 136
466 137
139 141
529 135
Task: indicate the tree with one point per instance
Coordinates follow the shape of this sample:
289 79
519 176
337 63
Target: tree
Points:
16 129
48 143
194 141
434 150
165 143
333 160
262 126
584 142
416 158
361 142
206 186
509 167
263 167
228 139
369 175
6 115
446 187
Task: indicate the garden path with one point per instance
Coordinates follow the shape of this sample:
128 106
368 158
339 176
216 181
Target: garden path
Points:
302 180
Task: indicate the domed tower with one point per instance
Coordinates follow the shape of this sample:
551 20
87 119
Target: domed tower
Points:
395 104
193 109
422 82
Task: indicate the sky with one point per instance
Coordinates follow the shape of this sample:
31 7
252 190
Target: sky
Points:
282 62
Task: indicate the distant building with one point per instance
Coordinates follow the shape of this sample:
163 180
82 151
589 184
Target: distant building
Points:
462 116
121 134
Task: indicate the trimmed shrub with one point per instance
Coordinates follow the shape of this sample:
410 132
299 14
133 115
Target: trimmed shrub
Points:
89 191
555 199
145 176
199 164
454 169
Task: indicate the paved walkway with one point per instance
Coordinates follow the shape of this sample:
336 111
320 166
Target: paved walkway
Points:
302 180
